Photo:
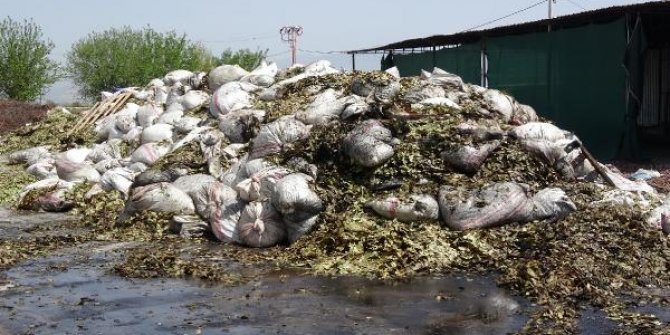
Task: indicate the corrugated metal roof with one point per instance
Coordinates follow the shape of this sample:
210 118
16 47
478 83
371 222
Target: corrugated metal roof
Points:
567 21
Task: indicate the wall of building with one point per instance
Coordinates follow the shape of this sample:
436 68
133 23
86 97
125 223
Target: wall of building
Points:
575 77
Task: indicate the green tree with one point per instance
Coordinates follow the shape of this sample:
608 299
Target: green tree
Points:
25 67
126 57
245 58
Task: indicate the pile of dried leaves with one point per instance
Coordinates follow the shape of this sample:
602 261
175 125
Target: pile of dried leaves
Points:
602 256
598 256
54 131
12 180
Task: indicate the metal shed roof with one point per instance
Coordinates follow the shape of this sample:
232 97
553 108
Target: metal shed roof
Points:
567 21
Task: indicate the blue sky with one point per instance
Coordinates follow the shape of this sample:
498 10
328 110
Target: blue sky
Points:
328 26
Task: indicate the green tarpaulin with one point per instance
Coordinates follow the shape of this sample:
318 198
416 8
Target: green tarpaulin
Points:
575 77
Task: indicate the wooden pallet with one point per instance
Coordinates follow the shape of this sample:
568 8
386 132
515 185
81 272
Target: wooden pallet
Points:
101 110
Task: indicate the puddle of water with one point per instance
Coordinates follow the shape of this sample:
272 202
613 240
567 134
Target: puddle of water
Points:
73 292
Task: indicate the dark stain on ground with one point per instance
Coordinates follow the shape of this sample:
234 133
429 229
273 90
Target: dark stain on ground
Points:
73 290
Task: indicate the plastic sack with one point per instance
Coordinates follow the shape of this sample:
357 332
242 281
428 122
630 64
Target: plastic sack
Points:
523 114
469 158
273 136
659 217
76 172
197 80
500 103
133 136
192 183
240 126
260 185
120 179
236 172
367 144
170 117
49 201
423 92
260 225
327 106
480 133
210 145
316 69
233 150
445 79
539 131
106 165
299 164
294 198
354 105
154 176
43 170
188 226
124 123
297 228
193 135
642 174
420 207
157 133
177 76
29 156
224 74
194 99
160 197
136 167
148 114
263 75
52 196
186 124
551 204
223 210
149 153
622 183
440 101
160 94
386 94
495 205
51 183
78 155
174 94
105 151
229 97
156 82
393 71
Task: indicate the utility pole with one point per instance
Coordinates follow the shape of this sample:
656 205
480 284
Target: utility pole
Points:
550 13
290 35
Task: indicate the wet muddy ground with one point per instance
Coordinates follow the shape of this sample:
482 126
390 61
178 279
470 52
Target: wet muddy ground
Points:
74 291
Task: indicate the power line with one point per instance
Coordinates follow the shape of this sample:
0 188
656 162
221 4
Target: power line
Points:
469 29
576 4
277 54
243 39
322 52
506 16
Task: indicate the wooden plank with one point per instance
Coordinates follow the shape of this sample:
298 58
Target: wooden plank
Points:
88 114
101 110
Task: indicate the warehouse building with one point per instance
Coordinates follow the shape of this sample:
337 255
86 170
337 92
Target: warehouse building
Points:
604 74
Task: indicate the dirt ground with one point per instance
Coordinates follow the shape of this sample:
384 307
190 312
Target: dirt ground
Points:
14 114
73 290
658 163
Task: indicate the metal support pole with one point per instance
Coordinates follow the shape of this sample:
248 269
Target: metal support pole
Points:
290 35
434 58
550 14
353 62
484 65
